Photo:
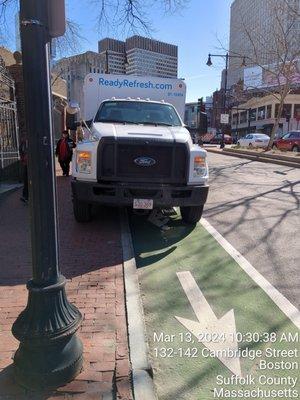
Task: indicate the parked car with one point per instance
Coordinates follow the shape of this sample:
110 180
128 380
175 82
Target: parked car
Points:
254 140
207 138
290 141
217 139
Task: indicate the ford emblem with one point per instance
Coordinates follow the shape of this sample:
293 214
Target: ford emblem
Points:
144 161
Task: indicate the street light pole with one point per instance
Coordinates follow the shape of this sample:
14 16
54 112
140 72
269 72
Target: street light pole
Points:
249 120
224 98
209 63
106 62
49 354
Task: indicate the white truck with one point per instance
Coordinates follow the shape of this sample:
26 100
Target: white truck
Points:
138 152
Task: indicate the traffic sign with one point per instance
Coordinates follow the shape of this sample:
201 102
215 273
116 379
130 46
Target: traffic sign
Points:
224 118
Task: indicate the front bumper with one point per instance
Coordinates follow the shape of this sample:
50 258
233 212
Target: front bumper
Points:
122 194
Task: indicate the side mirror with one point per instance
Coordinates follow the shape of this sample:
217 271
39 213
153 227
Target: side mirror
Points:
89 123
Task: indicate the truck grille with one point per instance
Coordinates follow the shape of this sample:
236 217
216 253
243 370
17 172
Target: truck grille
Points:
118 160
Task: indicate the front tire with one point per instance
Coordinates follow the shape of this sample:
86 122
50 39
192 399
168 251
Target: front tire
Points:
192 214
82 211
295 149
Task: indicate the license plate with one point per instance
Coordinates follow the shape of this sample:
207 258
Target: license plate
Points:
143 204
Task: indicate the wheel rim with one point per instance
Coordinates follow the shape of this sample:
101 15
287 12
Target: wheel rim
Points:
295 150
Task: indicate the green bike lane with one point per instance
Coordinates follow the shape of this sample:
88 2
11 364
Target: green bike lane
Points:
184 365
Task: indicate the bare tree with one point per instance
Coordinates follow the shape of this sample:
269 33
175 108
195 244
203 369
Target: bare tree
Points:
276 51
132 14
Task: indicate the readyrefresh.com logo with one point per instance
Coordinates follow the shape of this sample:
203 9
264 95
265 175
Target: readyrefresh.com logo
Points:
134 84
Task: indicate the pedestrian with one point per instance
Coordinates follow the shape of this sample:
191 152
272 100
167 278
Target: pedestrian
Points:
79 133
23 151
64 152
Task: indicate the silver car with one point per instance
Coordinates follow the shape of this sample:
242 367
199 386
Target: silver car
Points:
254 140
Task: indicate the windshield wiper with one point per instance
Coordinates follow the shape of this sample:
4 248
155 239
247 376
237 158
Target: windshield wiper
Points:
148 123
164 123
109 120
134 122
117 121
155 123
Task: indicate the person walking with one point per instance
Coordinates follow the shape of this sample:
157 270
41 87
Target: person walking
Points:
23 151
64 152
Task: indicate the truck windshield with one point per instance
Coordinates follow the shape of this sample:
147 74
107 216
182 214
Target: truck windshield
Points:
134 112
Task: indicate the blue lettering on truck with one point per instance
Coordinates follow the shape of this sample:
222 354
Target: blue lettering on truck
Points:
143 85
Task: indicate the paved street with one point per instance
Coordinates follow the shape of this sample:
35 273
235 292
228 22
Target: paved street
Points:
181 367
255 206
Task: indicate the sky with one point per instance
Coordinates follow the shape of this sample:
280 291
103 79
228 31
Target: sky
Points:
200 28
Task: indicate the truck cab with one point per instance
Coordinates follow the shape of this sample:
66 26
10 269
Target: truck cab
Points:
139 154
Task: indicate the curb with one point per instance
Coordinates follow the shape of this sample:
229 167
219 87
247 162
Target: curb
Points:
142 376
256 157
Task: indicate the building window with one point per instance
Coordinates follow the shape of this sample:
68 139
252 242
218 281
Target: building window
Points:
186 116
269 111
261 113
252 114
243 117
297 111
287 110
234 119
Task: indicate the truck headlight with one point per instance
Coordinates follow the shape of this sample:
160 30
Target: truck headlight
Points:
199 166
84 162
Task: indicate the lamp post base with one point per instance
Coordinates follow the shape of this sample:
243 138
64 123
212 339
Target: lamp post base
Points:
49 354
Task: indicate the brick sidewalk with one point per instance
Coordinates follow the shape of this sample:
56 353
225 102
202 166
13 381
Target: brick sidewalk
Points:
91 260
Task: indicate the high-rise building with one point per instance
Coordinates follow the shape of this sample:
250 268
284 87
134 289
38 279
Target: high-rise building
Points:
140 56
258 19
151 57
114 53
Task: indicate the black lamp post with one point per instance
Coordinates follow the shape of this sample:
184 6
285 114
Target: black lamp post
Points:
49 354
106 62
250 118
209 64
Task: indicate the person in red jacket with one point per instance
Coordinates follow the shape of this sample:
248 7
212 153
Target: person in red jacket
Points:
64 152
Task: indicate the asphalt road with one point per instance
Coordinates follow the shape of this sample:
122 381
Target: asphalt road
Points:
255 206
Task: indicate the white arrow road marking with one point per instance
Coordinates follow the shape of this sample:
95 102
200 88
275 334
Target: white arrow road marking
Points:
209 323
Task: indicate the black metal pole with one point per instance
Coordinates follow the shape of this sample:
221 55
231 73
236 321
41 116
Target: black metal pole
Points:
106 62
222 145
249 120
49 353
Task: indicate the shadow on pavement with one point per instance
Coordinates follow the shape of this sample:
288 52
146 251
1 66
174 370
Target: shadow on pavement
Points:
156 238
83 247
